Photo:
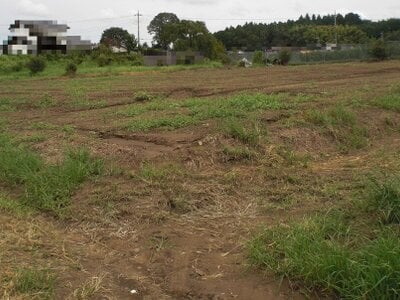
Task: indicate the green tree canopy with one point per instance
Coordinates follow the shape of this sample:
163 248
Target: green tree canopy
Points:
162 30
118 37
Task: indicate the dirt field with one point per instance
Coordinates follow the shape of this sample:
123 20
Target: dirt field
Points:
182 192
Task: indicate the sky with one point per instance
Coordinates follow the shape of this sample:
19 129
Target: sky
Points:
88 18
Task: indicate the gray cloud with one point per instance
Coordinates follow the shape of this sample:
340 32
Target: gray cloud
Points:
32 8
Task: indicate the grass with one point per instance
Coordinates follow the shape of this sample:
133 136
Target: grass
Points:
46 187
251 134
12 68
152 172
38 284
384 199
336 116
238 153
9 205
342 124
389 102
193 111
319 252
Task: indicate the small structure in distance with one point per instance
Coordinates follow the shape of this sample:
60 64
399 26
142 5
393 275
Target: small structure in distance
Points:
41 37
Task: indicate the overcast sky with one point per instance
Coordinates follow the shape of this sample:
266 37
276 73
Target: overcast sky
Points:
89 18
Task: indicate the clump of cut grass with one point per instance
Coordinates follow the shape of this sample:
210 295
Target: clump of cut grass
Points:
159 173
238 153
89 288
47 187
384 198
142 96
319 252
39 284
293 158
251 135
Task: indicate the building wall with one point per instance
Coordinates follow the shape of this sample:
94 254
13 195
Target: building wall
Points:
174 58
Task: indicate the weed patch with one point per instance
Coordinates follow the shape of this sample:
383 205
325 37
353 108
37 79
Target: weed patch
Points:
384 199
389 102
341 124
319 252
46 187
193 111
35 283
251 135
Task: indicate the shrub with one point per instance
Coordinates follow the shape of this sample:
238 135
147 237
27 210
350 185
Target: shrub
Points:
285 56
377 50
136 59
71 69
258 58
36 65
225 59
104 60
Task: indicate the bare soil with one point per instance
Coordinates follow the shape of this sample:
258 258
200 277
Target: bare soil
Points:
183 236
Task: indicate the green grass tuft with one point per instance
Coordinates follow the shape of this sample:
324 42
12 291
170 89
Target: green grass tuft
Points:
384 198
389 102
319 253
251 135
336 116
36 283
47 187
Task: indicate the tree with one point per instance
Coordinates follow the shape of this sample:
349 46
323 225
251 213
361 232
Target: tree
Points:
378 50
161 29
118 37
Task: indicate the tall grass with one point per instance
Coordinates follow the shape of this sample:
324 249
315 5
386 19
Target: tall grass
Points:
384 199
250 134
46 187
319 252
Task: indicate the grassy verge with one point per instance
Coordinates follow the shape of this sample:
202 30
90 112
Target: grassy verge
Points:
336 253
46 187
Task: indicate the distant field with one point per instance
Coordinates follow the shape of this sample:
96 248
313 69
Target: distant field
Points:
201 183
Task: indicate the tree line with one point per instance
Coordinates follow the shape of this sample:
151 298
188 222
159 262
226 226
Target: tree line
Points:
308 30
171 33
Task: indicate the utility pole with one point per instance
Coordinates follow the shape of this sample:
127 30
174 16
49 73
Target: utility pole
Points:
336 37
138 15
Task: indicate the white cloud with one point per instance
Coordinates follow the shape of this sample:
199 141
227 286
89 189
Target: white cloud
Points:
31 8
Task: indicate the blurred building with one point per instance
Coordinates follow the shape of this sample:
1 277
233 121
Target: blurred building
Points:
41 37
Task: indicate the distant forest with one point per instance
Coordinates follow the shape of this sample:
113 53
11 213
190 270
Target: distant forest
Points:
308 30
